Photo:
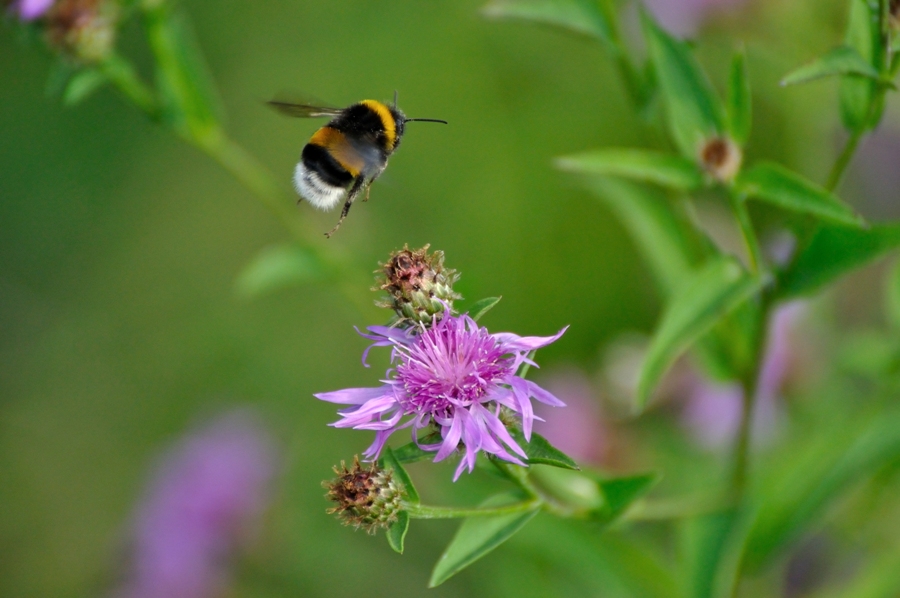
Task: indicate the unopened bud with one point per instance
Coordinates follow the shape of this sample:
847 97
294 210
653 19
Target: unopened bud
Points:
83 29
366 498
418 285
721 158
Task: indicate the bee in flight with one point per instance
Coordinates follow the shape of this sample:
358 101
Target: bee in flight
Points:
345 156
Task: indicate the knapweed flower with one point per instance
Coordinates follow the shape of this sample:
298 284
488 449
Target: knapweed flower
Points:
29 10
365 497
418 285
455 377
205 499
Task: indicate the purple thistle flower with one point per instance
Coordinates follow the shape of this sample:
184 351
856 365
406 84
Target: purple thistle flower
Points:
455 376
30 10
208 493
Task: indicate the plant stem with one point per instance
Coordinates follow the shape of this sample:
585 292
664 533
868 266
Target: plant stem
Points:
739 206
843 160
126 80
430 512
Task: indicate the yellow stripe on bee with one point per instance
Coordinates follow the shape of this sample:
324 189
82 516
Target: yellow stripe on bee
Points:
340 149
387 119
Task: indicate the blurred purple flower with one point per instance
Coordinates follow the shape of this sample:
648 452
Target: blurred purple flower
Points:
683 17
204 500
455 376
713 411
579 430
30 10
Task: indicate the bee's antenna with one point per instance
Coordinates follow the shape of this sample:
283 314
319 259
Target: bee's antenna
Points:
427 120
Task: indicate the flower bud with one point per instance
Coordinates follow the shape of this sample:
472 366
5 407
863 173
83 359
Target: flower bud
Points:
83 29
366 498
721 158
418 285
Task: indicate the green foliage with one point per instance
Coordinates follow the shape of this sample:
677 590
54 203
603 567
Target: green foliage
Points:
832 252
705 298
620 493
586 17
859 105
693 110
477 536
740 104
842 60
781 187
278 267
541 452
665 170
482 306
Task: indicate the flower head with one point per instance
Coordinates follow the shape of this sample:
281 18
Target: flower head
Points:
418 285
366 498
456 377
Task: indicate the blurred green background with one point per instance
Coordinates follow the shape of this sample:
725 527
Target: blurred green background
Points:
119 322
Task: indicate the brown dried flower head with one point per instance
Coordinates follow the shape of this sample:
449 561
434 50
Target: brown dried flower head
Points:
418 285
366 497
721 158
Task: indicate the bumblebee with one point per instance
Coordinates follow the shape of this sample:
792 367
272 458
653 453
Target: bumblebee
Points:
345 156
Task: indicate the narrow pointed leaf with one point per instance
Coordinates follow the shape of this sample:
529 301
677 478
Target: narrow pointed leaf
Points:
709 295
82 85
620 493
390 461
842 60
396 534
477 536
710 548
411 452
786 189
858 94
815 474
660 235
190 102
833 252
739 100
694 112
585 17
278 267
479 308
666 170
541 452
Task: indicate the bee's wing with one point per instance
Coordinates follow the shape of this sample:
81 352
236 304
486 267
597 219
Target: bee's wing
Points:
300 110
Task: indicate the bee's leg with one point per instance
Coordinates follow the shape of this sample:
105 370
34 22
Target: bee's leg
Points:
351 195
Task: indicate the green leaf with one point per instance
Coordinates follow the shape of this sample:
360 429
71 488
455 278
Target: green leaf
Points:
656 228
814 475
710 549
190 102
477 536
740 109
666 170
411 453
865 37
585 17
541 452
842 60
396 534
786 189
710 294
892 296
693 110
82 85
620 493
833 252
875 577
278 267
390 461
479 308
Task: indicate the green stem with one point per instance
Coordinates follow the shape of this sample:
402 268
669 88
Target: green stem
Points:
739 206
123 76
430 512
843 160
665 510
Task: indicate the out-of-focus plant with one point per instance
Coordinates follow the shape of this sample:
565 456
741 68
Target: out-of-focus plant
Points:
463 391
